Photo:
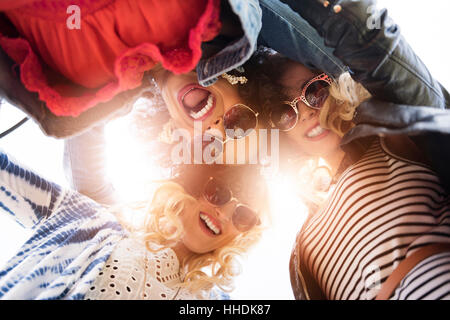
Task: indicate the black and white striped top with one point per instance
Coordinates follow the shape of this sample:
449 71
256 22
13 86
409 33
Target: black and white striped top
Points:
382 209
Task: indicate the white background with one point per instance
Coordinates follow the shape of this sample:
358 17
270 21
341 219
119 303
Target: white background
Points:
265 275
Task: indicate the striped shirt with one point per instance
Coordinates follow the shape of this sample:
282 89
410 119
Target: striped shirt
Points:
382 209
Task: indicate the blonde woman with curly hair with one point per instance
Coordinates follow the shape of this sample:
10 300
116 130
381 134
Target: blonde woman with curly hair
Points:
193 228
203 219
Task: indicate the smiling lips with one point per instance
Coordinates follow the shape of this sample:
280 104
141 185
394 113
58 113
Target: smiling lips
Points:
211 224
316 132
196 101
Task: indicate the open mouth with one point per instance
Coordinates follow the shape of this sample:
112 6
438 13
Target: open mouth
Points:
197 102
209 224
316 132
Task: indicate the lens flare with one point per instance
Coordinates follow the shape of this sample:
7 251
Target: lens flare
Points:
129 165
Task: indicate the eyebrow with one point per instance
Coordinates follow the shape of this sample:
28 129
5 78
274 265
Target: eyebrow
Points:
302 82
297 86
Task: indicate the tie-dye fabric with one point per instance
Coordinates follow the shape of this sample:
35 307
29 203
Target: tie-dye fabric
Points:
72 236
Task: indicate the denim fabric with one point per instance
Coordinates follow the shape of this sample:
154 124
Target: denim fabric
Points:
375 117
378 58
273 24
235 54
288 33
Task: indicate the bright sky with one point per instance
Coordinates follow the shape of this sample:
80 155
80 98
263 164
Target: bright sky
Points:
265 272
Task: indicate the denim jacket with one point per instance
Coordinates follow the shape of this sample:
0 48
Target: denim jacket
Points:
273 24
238 51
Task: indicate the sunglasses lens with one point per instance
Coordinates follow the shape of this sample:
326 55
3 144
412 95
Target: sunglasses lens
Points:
244 218
216 193
316 93
283 117
238 121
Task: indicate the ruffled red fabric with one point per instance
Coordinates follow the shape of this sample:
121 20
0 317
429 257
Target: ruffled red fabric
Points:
123 39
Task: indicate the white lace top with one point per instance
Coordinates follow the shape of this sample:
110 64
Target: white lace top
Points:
134 273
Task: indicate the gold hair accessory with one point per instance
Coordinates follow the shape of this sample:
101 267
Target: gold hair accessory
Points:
234 79
325 3
337 8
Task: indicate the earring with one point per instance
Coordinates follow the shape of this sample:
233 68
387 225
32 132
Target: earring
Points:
234 79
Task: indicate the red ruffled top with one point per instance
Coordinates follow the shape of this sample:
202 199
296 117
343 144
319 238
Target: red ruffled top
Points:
118 40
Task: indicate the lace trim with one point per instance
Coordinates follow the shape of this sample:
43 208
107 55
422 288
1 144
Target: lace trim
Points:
129 67
134 273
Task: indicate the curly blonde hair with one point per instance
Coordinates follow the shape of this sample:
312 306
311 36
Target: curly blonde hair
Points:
339 109
162 228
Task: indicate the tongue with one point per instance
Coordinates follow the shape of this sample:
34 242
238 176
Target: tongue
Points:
194 98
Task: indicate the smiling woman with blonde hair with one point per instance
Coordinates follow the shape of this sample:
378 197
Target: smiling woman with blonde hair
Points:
208 217
194 227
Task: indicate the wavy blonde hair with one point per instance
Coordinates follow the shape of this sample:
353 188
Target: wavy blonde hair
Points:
162 228
339 109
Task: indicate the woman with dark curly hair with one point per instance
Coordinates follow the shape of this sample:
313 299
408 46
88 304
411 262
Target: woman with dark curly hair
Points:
381 230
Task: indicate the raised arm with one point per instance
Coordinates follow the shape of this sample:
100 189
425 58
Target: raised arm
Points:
24 195
85 165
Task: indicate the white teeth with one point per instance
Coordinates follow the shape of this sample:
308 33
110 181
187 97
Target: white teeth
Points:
205 109
209 223
315 132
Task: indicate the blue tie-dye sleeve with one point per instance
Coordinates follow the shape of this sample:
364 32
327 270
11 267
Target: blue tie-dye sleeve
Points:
24 195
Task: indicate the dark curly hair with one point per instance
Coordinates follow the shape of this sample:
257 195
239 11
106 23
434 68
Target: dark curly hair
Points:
148 117
261 92
264 71
264 90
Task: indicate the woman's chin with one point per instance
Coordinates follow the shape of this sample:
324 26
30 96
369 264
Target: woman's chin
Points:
321 146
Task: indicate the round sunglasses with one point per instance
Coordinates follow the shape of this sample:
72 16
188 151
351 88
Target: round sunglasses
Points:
238 122
313 94
218 194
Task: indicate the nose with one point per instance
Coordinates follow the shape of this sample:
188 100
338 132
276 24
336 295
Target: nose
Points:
226 211
305 112
216 128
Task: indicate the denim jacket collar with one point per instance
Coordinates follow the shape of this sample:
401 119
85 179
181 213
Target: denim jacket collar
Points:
235 54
